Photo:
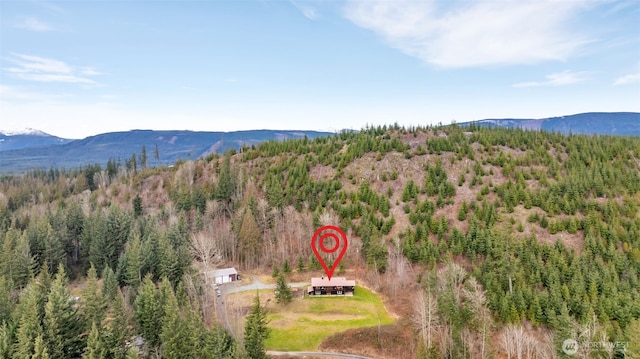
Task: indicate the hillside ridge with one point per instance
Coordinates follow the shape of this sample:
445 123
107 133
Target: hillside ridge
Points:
172 146
505 232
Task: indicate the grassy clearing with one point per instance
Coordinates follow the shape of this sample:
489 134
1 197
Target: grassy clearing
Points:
304 323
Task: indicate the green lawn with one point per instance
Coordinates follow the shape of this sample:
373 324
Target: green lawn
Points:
304 323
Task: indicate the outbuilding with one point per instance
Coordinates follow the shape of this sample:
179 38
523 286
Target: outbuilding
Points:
224 275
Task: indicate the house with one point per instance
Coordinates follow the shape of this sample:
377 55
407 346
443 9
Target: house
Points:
224 275
333 286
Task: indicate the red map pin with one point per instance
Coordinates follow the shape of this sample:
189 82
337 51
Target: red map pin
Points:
339 239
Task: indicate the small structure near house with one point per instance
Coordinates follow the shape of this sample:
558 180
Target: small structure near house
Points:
225 275
335 286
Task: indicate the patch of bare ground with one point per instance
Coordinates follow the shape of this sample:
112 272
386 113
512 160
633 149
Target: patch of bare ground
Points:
402 220
321 172
571 241
153 193
450 212
513 152
543 235
373 170
116 193
384 342
415 140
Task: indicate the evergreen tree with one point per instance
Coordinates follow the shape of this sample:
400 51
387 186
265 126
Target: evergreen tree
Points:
74 223
93 241
6 339
6 300
131 163
137 206
118 227
250 239
44 244
286 267
283 290
149 312
218 344
275 193
94 349
109 284
633 339
133 268
93 304
462 213
179 338
117 331
16 262
29 324
256 331
61 325
156 154
143 157
40 349
226 183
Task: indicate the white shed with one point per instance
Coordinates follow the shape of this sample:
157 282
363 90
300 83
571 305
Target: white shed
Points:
224 275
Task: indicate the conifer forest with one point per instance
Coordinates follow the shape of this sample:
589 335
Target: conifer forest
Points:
485 243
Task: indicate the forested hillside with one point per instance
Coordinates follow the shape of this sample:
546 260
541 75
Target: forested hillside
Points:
486 242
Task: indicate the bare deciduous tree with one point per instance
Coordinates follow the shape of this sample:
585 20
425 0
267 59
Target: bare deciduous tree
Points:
426 315
451 278
398 268
521 341
205 249
329 217
475 295
213 209
101 179
185 174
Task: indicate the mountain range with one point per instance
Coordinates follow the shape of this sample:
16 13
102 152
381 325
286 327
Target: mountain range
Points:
28 138
29 149
21 152
592 123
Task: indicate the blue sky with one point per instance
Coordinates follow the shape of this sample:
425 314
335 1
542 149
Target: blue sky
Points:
78 68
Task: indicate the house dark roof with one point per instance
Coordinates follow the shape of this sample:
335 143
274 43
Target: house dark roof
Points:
334 282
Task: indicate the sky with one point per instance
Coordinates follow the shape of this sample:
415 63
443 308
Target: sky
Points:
78 68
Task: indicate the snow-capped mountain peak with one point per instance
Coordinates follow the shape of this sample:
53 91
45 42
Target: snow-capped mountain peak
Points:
23 132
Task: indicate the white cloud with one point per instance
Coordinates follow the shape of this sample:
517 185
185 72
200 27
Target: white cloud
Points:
307 10
41 69
89 71
627 79
557 79
33 24
50 6
473 33
57 78
29 63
